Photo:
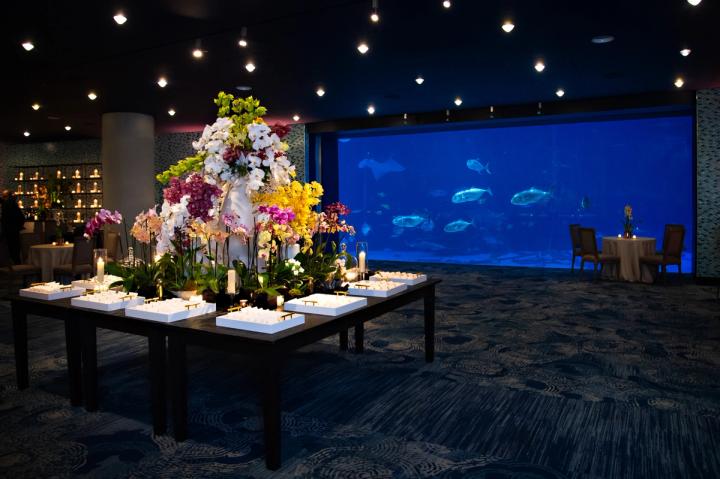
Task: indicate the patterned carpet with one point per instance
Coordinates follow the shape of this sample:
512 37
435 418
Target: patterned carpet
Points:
537 375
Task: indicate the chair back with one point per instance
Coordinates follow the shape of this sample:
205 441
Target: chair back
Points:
26 241
673 241
112 242
82 252
575 236
588 242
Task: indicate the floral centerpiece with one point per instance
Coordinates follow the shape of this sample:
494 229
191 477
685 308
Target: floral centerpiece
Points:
628 226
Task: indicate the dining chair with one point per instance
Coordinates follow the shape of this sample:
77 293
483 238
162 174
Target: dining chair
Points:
575 242
81 266
11 271
589 252
671 254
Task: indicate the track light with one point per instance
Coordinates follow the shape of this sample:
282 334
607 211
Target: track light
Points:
363 48
28 45
26 133
508 26
119 18
371 109
92 95
68 127
375 16
679 82
458 101
419 80
685 52
162 82
560 92
447 4
539 66
296 117
250 66
694 3
320 92
243 38
171 112
197 53
35 106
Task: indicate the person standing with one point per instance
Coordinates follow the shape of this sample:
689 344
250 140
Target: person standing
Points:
13 222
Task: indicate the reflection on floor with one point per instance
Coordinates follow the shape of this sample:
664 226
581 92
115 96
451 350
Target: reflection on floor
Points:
537 375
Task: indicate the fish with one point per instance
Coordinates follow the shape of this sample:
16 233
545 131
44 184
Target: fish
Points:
438 193
471 194
475 165
457 226
381 168
427 225
427 246
530 197
409 221
366 229
585 203
385 206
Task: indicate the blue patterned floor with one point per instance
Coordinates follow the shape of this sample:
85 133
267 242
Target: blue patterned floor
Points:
537 375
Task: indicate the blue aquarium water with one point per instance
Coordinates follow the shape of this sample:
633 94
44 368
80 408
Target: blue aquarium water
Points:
505 195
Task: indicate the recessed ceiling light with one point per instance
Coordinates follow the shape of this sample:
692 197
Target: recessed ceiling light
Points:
508 26
243 43
371 109
685 52
601 39
171 112
26 133
447 4
363 48
120 18
28 45
197 53
320 91
36 106
694 3
296 117
243 38
679 82
250 66
374 17
68 127
560 92
458 101
92 95
419 80
539 66
162 82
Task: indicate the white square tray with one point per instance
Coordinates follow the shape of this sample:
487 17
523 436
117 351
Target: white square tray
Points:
92 284
394 287
177 313
108 301
386 276
51 295
260 320
325 304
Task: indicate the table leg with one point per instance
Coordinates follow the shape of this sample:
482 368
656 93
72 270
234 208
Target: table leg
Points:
19 319
73 345
429 301
177 363
89 369
344 340
272 413
157 351
360 337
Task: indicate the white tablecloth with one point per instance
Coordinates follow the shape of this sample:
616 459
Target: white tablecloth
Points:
629 251
47 257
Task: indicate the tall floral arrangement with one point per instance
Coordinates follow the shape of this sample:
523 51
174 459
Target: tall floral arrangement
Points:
628 226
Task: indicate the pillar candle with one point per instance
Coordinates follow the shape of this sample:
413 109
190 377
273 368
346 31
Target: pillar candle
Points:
58 174
232 281
280 301
361 261
77 173
100 276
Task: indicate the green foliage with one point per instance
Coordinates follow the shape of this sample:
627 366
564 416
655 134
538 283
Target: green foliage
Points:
188 165
246 110
320 264
140 276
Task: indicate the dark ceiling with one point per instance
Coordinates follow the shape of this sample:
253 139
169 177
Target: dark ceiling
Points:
300 44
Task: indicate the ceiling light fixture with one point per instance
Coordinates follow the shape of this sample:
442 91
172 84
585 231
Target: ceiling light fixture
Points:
28 45
26 133
162 82
560 92
694 3
539 66
602 39
419 80
458 101
92 95
371 109
197 53
171 112
374 16
679 82
243 38
685 52
296 117
320 92
508 26
250 66
363 48
36 106
120 18
68 127
447 4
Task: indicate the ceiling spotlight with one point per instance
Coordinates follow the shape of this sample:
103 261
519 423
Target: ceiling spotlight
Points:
68 127
539 66
458 101
171 112
28 45
374 16
26 133
363 48
679 82
694 3
162 82
250 66
419 80
243 38
447 4
320 92
371 109
197 53
296 117
560 92
36 106
119 18
243 43
508 26
602 39
685 52
92 95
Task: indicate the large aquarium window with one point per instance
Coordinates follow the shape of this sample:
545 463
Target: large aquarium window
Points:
505 195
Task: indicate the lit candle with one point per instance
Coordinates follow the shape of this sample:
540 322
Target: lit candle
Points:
77 188
100 276
94 186
95 202
95 172
20 204
232 281
59 174
280 302
361 261
21 175
634 237
77 173
37 175
77 217
79 203
619 236
350 275
35 203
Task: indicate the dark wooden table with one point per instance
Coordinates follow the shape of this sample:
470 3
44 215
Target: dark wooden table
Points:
272 350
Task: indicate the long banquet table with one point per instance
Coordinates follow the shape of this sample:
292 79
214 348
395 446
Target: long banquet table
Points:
272 349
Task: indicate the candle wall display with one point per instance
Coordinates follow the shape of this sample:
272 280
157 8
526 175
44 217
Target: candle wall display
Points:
99 261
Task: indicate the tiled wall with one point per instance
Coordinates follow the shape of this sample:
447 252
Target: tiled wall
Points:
708 184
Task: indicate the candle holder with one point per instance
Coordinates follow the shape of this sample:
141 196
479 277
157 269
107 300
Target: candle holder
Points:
99 262
362 259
